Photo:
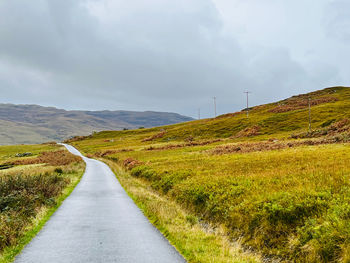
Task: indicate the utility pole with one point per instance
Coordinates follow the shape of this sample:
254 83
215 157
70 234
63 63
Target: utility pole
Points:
309 102
247 109
214 106
199 113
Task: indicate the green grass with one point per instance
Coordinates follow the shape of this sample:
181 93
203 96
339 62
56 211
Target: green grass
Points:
9 253
284 198
278 125
196 242
30 194
7 153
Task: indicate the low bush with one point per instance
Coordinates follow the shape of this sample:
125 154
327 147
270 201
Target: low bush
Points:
167 180
27 193
20 198
54 158
144 172
291 216
333 129
300 102
271 145
131 163
155 136
182 145
249 132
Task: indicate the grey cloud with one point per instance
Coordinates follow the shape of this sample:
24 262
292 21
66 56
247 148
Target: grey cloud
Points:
337 20
144 55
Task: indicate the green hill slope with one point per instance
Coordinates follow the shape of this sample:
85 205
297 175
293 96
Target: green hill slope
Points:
264 180
280 119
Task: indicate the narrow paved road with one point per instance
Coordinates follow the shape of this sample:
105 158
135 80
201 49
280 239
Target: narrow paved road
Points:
98 222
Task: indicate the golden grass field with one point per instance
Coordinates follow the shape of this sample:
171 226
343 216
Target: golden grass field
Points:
31 189
264 184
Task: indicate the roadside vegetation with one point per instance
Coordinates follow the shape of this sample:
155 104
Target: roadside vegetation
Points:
196 241
34 180
264 183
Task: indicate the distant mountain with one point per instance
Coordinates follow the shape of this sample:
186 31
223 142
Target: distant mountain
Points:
35 124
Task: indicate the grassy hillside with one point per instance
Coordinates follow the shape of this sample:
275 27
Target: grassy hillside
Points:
266 181
34 180
280 119
35 124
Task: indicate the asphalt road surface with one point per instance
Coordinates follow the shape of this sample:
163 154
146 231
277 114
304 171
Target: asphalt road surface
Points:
98 222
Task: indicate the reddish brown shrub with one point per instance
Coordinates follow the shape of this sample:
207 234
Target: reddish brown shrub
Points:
188 144
130 163
105 153
249 132
274 145
156 136
337 128
300 102
55 158
248 147
340 126
110 152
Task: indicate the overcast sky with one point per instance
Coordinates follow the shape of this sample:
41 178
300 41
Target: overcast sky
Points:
168 55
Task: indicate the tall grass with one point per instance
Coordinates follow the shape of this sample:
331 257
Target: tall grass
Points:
291 203
28 194
286 198
20 198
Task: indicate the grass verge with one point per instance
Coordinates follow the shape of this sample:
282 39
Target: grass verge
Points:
31 190
196 241
11 252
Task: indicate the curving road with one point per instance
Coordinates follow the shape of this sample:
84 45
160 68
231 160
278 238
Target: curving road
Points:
98 222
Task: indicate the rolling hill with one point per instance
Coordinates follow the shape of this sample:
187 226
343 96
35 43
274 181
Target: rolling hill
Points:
25 124
281 119
268 181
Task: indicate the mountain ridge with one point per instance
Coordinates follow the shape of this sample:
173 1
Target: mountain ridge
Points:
31 123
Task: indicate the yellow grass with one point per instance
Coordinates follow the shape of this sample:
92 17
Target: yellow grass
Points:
29 194
283 197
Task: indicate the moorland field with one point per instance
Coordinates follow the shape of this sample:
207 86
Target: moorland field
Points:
265 182
34 180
